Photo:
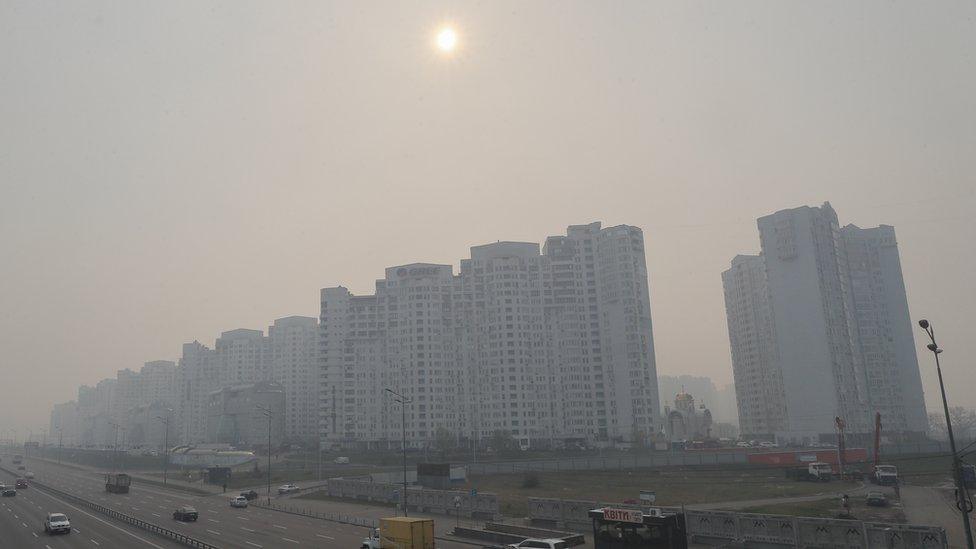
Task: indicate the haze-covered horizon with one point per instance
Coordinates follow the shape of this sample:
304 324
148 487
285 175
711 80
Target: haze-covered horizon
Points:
174 170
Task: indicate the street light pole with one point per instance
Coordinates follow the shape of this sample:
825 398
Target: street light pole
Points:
165 444
403 427
60 438
267 413
115 451
963 503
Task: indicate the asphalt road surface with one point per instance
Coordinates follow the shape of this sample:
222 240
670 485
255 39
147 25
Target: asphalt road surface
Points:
219 524
22 524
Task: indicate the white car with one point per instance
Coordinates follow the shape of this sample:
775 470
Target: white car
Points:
288 489
239 501
551 543
29 474
57 523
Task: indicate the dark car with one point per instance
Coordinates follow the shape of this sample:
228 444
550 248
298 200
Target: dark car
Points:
21 468
21 483
186 514
877 499
8 492
249 495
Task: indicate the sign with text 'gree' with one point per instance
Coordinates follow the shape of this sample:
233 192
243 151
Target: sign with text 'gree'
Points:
623 515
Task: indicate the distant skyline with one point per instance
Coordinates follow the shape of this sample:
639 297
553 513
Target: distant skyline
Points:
171 171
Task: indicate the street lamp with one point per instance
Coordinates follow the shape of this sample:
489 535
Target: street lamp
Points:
403 426
115 451
60 439
268 414
165 421
963 502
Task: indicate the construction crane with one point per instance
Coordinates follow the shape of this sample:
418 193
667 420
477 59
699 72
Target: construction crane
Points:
841 451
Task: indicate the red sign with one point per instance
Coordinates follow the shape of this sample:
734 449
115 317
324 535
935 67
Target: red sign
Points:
623 515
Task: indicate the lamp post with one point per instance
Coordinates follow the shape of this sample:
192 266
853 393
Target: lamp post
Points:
403 427
60 439
165 421
115 451
962 498
268 414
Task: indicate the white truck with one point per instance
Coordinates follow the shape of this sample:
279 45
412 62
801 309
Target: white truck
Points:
885 475
817 471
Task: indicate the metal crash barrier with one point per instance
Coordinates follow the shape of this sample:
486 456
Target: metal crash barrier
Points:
138 523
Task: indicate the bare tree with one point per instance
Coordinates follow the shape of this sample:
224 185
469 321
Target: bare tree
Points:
963 423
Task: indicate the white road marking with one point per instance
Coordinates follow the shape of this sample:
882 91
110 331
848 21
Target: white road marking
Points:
242 518
248 529
290 540
212 520
95 542
214 532
126 532
252 543
34 534
155 514
279 526
324 536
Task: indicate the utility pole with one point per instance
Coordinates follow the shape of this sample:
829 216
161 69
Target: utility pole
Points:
268 414
60 438
165 421
963 502
115 451
403 426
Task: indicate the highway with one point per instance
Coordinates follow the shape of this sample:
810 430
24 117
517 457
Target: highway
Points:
22 524
219 524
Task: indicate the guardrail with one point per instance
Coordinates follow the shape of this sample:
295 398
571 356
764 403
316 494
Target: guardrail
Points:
138 523
306 512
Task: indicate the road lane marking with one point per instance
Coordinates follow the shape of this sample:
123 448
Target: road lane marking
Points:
279 526
248 530
252 543
155 514
212 520
214 532
95 542
34 534
290 540
323 536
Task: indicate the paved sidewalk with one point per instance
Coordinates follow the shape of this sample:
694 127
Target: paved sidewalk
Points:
934 506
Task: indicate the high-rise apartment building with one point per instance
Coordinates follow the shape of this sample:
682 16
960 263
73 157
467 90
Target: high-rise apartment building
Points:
198 377
242 356
548 347
796 316
893 384
293 342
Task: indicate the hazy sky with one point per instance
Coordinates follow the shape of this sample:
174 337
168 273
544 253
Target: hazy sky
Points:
171 170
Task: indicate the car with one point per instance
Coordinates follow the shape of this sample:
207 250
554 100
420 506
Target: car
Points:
29 474
21 468
341 460
249 495
8 492
288 489
239 501
742 444
21 483
186 514
549 543
877 499
57 523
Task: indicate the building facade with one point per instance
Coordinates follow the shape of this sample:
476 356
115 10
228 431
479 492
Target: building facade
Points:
547 346
238 415
293 343
796 333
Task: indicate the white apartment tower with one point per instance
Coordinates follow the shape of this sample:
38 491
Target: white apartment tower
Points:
887 346
198 377
796 327
242 357
548 347
293 341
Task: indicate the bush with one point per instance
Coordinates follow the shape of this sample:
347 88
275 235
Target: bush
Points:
530 480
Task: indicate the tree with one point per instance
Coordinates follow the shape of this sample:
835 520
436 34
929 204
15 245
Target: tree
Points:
443 440
963 423
503 442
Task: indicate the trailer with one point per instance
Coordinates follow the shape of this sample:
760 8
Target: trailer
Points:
117 483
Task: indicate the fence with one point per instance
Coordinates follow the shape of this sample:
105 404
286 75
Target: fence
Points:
786 531
606 463
138 523
567 513
446 502
307 512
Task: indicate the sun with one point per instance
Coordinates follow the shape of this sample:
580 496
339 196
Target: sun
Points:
446 39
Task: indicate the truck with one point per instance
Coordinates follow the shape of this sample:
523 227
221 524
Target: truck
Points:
817 471
401 533
885 475
117 483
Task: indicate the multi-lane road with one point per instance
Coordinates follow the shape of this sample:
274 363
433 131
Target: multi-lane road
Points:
219 524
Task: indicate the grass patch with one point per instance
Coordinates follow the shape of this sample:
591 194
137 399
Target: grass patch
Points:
322 495
674 487
831 508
